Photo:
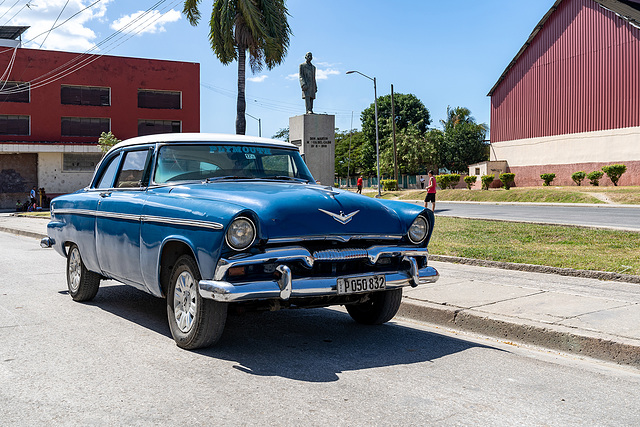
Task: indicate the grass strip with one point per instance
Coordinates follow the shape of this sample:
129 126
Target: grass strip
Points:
550 245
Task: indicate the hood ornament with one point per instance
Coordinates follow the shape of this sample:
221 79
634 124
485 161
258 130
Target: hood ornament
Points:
341 217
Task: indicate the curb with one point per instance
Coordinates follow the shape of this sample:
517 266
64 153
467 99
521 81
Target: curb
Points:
589 274
553 337
22 232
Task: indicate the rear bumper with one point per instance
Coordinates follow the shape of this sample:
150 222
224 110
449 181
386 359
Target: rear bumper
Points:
288 286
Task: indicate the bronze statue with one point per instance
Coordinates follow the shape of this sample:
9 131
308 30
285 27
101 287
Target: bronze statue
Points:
308 82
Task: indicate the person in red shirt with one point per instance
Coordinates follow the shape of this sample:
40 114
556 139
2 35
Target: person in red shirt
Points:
431 192
359 185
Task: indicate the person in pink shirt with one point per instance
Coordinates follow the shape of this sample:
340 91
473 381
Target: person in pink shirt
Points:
431 192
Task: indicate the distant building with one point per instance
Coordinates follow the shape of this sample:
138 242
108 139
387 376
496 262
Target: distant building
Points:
570 99
54 106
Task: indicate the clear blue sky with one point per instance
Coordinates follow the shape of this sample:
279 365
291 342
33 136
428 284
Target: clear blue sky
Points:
444 52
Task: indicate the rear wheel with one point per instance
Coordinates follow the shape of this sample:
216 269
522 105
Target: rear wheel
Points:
195 322
83 284
378 309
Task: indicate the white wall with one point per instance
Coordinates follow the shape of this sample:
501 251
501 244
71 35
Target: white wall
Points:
54 180
602 146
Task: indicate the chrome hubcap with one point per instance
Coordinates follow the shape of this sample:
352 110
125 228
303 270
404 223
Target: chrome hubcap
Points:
185 302
75 270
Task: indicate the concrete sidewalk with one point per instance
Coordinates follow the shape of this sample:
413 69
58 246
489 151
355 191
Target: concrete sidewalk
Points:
583 316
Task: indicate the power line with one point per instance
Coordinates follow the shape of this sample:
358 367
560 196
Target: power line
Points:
54 23
77 64
7 11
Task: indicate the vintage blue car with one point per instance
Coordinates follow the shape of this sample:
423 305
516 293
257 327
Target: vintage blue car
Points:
213 222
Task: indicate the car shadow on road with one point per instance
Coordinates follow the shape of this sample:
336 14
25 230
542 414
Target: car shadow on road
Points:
313 345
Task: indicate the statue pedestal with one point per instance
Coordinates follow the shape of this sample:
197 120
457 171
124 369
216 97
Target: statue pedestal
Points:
314 134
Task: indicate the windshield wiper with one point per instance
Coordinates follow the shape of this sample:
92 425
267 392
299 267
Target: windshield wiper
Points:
285 178
218 178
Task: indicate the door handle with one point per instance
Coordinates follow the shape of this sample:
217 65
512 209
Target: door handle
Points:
105 194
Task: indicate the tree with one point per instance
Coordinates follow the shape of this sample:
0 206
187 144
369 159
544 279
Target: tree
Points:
463 142
614 172
356 161
416 151
282 134
237 26
106 141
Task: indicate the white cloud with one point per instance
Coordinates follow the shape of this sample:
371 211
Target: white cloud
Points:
151 23
258 79
320 74
41 15
324 74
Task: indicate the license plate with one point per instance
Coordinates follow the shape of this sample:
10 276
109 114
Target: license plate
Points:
360 284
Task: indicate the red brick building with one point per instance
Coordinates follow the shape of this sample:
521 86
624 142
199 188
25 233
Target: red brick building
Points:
55 105
570 99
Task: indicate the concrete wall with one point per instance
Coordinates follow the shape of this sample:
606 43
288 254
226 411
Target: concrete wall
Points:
566 154
55 180
18 174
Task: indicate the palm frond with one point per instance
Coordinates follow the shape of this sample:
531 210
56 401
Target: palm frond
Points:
192 11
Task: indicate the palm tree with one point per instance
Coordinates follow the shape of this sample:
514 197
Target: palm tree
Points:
238 26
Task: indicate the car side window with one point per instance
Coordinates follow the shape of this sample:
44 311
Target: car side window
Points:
132 171
109 173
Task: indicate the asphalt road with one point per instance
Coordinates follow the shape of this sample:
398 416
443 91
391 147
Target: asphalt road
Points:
113 362
596 216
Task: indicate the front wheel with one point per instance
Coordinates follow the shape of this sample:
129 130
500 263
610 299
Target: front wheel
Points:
83 284
378 309
195 322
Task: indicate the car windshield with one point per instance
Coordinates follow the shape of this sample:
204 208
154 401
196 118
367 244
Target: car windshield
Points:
185 162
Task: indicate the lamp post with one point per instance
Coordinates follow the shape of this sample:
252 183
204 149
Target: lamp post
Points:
375 101
259 124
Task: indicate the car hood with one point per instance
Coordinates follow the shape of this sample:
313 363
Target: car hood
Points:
288 210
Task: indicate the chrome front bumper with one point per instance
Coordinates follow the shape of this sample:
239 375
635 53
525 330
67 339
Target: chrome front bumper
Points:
290 287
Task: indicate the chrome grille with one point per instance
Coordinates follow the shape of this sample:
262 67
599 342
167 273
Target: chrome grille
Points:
346 254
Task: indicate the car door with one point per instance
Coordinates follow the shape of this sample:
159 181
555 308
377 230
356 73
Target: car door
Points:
119 217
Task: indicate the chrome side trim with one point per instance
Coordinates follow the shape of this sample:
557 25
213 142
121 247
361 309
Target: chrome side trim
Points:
179 221
143 218
304 287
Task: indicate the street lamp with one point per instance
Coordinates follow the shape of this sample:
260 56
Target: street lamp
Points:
375 101
259 124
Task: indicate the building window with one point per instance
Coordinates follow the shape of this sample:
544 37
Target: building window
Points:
14 92
152 127
477 171
14 125
159 99
85 95
85 126
80 162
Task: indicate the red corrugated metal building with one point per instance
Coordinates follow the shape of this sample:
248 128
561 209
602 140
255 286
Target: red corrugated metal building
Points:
570 99
54 106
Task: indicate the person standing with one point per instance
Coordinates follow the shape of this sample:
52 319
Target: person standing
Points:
431 192
422 182
359 183
307 76
32 195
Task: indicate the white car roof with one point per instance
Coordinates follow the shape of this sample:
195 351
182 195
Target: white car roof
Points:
201 137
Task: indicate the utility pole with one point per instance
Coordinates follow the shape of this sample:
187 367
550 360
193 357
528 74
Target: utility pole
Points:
393 127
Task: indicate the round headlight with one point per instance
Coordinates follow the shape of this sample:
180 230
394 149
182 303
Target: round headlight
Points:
418 230
241 234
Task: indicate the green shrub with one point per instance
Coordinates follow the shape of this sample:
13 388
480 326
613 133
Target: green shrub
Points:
486 181
454 179
443 181
548 178
614 172
389 184
578 177
507 180
470 180
594 177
